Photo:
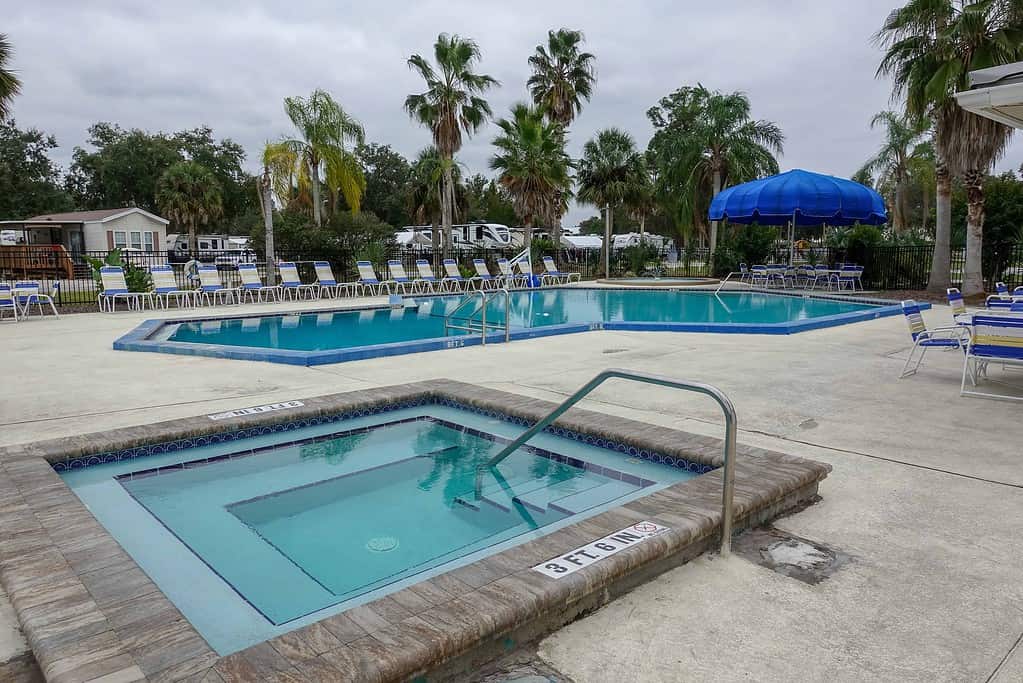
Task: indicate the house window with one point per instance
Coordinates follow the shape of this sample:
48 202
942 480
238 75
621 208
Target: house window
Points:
120 239
136 239
148 240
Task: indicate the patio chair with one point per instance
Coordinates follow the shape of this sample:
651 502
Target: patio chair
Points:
7 301
955 302
165 288
291 282
402 282
849 276
821 275
428 282
453 277
526 272
212 290
28 293
253 287
368 280
1002 289
954 337
558 276
743 272
483 279
328 284
508 274
760 276
996 339
115 287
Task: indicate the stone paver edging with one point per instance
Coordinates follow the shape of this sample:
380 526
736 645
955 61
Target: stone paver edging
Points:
91 614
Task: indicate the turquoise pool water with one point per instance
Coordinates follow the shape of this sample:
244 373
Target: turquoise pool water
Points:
258 536
530 310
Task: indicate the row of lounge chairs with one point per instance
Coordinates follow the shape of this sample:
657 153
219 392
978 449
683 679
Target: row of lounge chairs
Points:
211 290
843 276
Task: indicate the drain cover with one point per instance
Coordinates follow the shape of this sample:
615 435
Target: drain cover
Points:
382 544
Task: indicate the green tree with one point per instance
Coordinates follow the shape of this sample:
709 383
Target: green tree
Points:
930 48
902 136
563 77
608 168
387 179
326 134
533 166
189 195
10 85
451 104
225 159
29 180
425 194
706 140
640 200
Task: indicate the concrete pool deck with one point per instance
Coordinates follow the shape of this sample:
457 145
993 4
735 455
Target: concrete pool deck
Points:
925 494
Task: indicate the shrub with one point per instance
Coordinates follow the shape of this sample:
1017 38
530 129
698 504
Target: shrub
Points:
638 256
137 279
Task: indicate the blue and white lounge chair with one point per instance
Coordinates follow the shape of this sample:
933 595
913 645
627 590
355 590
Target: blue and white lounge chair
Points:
428 282
850 276
165 288
115 287
212 289
483 279
955 337
368 280
291 282
28 293
402 282
509 277
1002 289
552 273
7 302
453 277
996 339
328 283
253 287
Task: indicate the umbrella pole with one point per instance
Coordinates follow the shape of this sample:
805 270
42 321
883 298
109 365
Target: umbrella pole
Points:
792 240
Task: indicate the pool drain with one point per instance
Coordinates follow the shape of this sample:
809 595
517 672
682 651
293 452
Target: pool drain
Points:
382 544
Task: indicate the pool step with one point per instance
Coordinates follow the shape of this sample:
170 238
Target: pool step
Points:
584 500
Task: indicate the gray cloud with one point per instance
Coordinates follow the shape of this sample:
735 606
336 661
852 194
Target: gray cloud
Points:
807 65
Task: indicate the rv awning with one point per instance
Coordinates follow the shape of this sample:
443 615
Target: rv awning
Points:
996 93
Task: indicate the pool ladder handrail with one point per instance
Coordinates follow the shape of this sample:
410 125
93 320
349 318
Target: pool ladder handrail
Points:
470 326
728 486
734 282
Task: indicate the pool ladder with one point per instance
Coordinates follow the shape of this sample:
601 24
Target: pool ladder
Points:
481 327
728 486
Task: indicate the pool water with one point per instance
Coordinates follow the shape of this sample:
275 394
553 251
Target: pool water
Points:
529 310
258 536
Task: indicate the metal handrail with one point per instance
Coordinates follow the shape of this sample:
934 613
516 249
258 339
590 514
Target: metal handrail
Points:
482 329
728 488
734 282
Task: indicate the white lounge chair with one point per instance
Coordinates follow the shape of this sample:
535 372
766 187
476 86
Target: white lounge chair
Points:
453 276
552 273
402 282
368 280
428 282
508 276
996 339
955 337
115 287
328 283
212 290
483 279
291 282
253 287
165 288
7 302
28 293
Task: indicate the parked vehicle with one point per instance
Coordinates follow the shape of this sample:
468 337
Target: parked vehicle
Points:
465 236
210 248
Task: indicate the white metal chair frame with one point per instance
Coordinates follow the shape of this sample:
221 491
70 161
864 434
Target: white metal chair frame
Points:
29 292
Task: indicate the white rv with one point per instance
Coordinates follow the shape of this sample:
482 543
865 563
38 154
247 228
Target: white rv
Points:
464 236
230 250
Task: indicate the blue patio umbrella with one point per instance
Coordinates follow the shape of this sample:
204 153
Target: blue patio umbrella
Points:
799 197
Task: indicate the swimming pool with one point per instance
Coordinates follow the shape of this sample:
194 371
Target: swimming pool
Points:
256 536
339 335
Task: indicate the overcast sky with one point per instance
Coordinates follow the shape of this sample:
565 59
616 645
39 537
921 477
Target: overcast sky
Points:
807 65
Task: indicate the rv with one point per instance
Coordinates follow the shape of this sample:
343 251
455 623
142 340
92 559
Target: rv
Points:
221 249
465 236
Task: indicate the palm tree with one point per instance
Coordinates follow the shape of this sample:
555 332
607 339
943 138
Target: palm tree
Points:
930 48
892 162
921 174
452 104
425 192
639 198
326 134
563 77
533 165
190 195
10 85
609 167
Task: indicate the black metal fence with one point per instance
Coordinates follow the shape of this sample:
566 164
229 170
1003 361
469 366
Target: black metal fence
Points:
70 274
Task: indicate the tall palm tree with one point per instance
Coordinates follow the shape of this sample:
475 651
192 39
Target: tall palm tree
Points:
608 168
640 199
10 85
902 135
451 104
533 165
930 48
563 76
327 134
425 192
190 195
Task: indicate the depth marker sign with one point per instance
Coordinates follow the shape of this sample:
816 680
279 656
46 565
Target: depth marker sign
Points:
255 410
595 551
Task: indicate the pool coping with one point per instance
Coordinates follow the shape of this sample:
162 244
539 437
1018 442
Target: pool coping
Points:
90 613
140 338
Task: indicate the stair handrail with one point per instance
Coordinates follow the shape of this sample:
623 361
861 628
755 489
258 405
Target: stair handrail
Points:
728 486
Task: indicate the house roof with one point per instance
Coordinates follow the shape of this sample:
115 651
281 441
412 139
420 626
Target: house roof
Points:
97 216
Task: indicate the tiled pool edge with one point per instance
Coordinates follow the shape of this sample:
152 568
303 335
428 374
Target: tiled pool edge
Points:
138 339
88 610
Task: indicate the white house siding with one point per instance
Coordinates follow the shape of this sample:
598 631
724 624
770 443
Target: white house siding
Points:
99 236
